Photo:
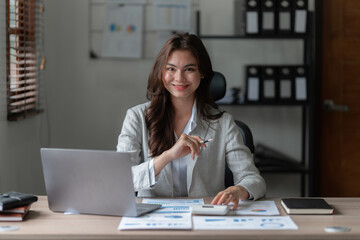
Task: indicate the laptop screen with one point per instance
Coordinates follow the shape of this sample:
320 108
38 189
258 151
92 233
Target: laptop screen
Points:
89 181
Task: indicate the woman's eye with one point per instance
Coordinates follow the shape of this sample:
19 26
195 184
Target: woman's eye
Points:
190 69
170 69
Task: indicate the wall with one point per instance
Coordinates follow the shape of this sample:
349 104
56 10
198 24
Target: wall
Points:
86 99
20 166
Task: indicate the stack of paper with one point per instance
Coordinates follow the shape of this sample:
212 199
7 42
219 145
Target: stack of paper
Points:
176 214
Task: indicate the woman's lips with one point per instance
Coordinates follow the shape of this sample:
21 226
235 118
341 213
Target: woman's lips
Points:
180 87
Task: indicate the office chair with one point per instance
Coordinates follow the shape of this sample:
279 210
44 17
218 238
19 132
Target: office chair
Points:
217 91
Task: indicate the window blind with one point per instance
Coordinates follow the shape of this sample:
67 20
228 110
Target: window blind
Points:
25 57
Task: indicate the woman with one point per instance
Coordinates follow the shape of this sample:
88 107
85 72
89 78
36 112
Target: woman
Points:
166 135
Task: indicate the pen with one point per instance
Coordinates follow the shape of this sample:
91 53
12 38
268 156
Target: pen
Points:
206 141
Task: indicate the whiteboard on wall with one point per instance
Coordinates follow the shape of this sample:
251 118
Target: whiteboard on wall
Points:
123 29
152 38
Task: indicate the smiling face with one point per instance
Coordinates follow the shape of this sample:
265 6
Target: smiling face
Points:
181 76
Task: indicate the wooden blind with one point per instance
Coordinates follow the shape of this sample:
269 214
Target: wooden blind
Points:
25 60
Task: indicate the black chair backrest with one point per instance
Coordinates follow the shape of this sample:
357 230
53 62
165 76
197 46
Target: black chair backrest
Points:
217 91
246 134
218 86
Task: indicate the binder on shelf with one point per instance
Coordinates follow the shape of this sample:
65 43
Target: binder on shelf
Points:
300 83
239 17
268 17
286 84
269 85
253 75
300 16
252 19
285 17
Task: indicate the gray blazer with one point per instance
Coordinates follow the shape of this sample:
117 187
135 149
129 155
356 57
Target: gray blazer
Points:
205 174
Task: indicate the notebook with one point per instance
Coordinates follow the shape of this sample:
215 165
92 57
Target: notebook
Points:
306 206
91 182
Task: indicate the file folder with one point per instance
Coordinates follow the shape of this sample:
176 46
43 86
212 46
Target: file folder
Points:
300 16
269 86
253 74
301 83
286 84
239 17
252 16
268 17
285 17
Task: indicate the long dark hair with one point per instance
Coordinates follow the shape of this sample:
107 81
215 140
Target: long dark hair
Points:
159 114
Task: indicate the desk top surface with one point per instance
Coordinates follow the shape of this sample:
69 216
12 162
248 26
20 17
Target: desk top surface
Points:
41 223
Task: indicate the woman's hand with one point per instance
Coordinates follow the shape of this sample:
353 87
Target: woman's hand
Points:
231 194
185 145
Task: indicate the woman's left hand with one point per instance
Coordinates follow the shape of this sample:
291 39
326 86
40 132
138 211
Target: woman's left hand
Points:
231 194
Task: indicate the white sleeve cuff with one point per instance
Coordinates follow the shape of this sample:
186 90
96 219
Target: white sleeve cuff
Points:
153 179
251 196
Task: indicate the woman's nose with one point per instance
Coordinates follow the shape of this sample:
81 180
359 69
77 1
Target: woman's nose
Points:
179 76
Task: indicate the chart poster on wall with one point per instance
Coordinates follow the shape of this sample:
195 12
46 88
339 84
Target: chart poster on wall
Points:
173 15
123 29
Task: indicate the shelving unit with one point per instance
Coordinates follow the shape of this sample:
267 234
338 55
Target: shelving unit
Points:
305 168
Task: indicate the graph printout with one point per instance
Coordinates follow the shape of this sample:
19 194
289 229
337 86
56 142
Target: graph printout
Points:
243 223
174 214
173 220
173 201
262 208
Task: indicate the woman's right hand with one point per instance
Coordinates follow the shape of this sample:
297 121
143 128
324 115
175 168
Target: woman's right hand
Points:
185 145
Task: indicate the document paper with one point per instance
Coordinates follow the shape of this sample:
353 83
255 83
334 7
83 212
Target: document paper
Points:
243 223
174 214
179 201
158 220
256 208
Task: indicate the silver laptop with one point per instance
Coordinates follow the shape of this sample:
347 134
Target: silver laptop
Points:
91 182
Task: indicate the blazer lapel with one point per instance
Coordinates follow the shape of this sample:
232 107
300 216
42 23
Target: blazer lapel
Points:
200 130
